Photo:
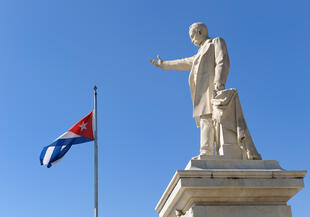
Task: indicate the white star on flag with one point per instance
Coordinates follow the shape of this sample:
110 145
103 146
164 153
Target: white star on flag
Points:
83 126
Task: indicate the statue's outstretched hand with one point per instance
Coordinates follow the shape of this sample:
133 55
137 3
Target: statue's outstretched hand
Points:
158 63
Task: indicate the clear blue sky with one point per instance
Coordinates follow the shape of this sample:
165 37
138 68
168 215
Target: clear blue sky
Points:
53 52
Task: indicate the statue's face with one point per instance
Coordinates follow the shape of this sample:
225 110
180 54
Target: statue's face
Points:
197 36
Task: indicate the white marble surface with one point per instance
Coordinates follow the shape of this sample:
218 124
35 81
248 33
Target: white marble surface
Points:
231 184
209 69
220 163
239 211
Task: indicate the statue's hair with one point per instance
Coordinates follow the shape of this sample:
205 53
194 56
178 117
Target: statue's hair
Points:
201 26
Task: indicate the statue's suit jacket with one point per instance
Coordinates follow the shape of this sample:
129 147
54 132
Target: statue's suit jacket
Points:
208 67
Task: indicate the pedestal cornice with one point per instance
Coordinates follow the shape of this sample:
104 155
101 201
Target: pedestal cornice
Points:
229 186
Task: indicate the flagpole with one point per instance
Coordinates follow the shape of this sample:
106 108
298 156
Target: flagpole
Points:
95 155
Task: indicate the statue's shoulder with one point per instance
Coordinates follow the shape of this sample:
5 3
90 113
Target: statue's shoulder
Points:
218 40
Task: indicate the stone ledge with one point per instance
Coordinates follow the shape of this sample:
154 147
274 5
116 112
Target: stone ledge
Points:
263 183
237 211
233 164
244 174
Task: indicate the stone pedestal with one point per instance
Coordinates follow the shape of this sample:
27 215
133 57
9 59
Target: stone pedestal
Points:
230 188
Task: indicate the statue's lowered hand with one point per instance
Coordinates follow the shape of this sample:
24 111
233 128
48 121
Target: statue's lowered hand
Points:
219 86
158 63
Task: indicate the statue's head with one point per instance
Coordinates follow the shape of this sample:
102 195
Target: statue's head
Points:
198 33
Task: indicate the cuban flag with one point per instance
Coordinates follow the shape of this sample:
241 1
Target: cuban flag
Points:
81 132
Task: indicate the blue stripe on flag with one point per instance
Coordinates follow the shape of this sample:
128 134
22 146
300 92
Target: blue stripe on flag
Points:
58 152
71 141
43 152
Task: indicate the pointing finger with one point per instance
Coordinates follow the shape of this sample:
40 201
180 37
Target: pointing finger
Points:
152 61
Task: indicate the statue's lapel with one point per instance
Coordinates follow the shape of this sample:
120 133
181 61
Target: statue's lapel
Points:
204 48
201 52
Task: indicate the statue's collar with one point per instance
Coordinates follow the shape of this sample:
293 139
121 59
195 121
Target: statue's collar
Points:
207 41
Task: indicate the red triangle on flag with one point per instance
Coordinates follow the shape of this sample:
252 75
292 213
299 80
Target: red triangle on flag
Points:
84 127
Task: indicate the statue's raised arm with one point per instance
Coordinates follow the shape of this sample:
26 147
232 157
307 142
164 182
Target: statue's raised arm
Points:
158 63
178 65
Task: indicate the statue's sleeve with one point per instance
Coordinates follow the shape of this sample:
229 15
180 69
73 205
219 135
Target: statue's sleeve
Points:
222 63
179 65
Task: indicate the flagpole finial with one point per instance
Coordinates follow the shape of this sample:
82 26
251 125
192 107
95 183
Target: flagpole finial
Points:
95 89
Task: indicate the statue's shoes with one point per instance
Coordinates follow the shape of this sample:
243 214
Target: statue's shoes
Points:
204 156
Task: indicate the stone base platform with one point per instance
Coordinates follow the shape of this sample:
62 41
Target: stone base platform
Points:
230 188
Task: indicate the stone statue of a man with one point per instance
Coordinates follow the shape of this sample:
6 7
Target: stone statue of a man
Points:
209 70
208 73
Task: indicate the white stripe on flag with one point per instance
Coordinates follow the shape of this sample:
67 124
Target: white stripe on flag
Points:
68 135
48 155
